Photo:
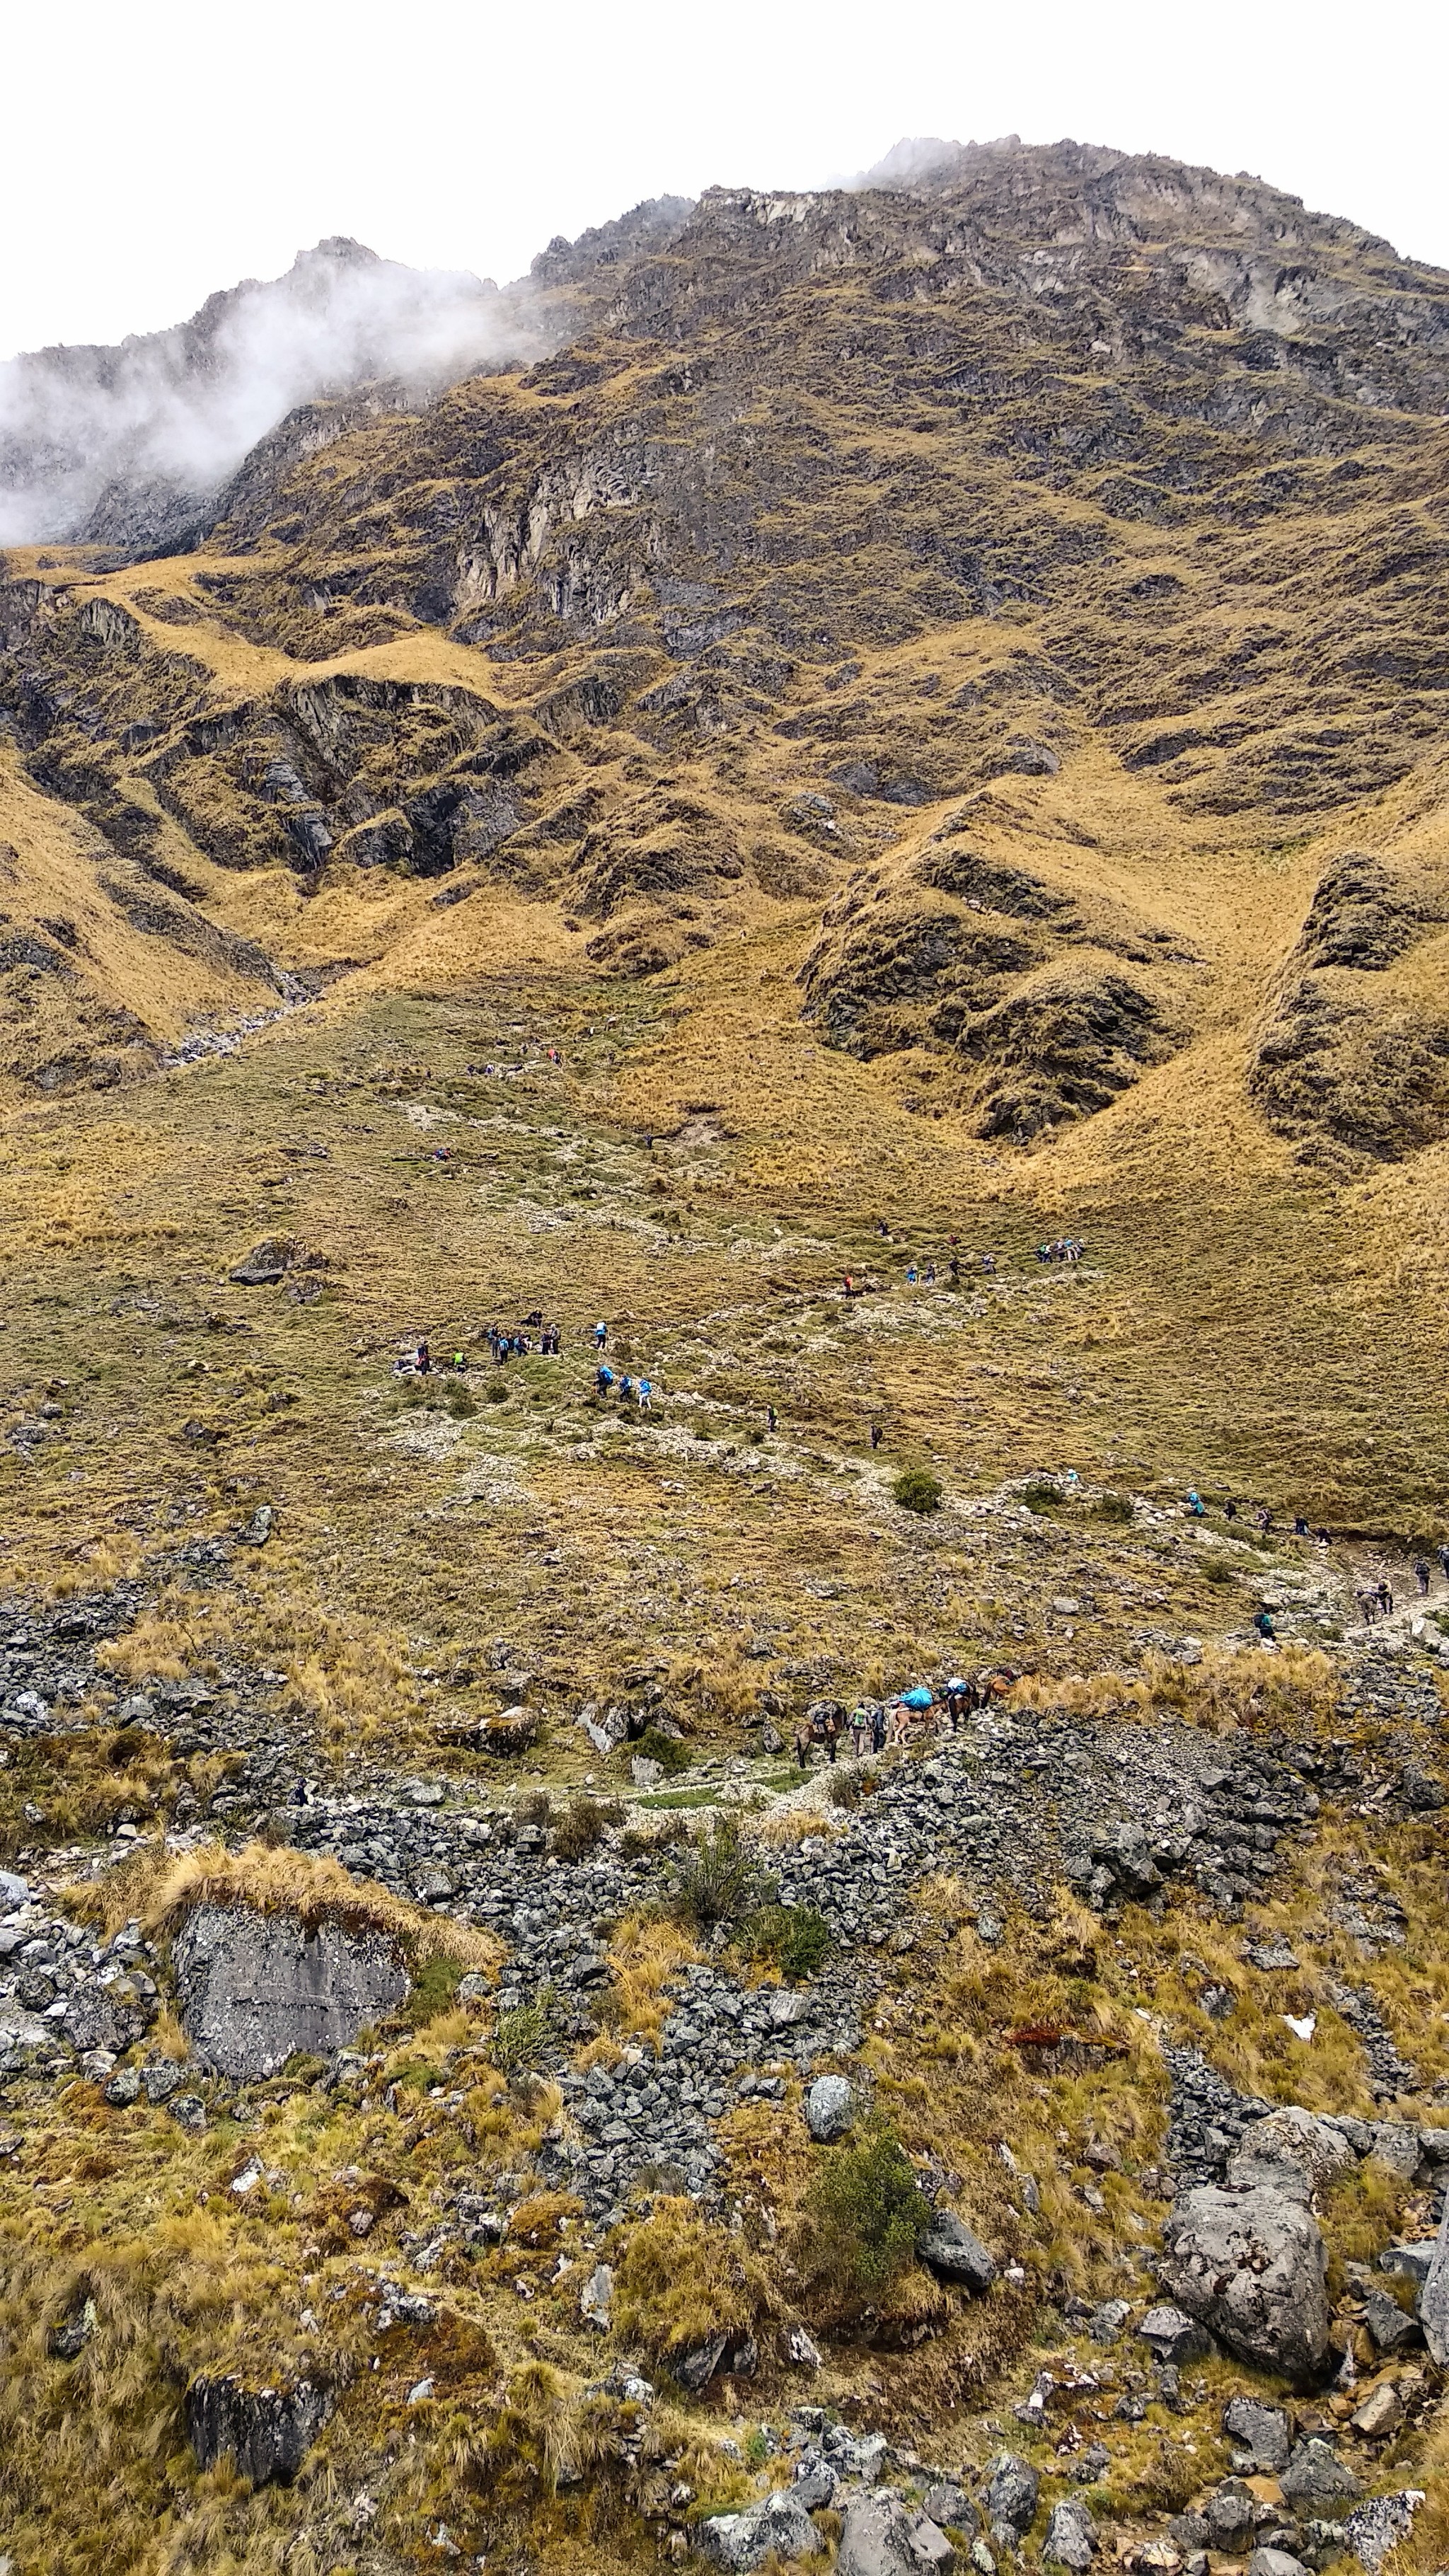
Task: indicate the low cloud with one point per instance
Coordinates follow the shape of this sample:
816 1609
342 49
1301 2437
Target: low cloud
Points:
174 412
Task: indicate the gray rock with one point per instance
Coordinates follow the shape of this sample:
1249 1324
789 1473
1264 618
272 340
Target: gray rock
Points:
1291 2147
1011 2494
162 2078
1274 2562
1391 2326
1434 2296
1071 2536
1412 2262
1316 2475
1228 2514
1261 2432
814 2487
123 2087
13 1891
596 2297
1108 2319
1174 2336
267 2432
829 2109
881 2537
1127 1853
949 2249
1379 2525
946 2502
254 1989
1251 2266
1398 2145
744 2540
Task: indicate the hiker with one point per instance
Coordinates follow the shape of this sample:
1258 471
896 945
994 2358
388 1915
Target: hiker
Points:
862 1722
1230 1510
988 1264
1264 1518
603 1378
1300 1526
772 1419
424 1360
930 1274
646 1396
875 1435
460 1363
601 1335
958 1699
1386 1600
1443 1555
955 1269
1264 1625
1368 1606
1195 1504
878 1729
911 1274
626 1387
1421 1572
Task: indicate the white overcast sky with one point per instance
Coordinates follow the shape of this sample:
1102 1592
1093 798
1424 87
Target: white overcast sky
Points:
157 149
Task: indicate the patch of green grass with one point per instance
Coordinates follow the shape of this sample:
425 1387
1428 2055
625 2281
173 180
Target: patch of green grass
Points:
795 1937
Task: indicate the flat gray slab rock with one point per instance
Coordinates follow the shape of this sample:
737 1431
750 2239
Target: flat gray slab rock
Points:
254 1989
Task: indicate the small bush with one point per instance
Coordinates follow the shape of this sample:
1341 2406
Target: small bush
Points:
524 2035
536 1808
655 1746
459 1400
1112 1507
435 1986
917 1490
495 1392
1040 1496
582 1827
1218 1569
795 1937
842 1788
864 2215
719 1880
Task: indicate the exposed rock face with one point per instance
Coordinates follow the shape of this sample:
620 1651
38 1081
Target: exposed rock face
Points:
1352 1058
1434 2296
255 1989
882 2537
266 2432
1251 2265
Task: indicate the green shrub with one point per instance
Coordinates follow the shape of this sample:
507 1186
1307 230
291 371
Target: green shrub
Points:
718 1880
795 1937
460 1400
1112 1507
655 1746
842 1788
864 2215
1041 1496
495 1392
536 1808
1218 1569
917 1490
435 1986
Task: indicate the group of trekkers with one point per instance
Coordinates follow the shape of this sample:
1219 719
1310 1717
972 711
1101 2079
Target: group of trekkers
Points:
872 1724
1066 1247
1376 1600
1258 1513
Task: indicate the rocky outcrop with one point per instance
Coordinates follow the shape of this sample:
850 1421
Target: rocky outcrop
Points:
266 2433
254 1990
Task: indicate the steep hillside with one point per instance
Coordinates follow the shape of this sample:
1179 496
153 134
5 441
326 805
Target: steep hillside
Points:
876 820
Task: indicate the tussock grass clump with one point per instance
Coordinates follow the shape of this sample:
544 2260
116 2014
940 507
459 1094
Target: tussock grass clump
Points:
682 2278
523 2036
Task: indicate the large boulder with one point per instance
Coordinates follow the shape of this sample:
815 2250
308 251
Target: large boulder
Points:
829 2109
266 2432
1071 2537
1250 2264
255 1989
780 2527
949 2249
883 2537
1434 2296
